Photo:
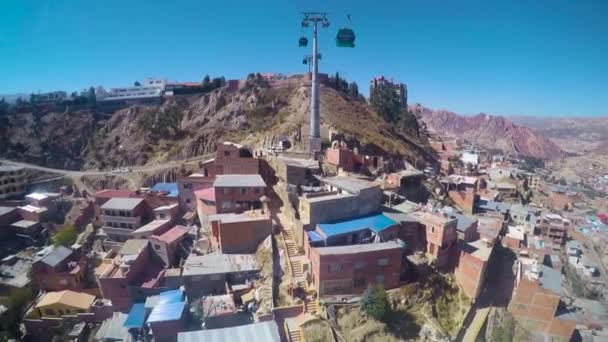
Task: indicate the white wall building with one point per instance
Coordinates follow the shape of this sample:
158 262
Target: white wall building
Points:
149 88
470 158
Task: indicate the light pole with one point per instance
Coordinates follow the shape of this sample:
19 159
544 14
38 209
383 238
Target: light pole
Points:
314 144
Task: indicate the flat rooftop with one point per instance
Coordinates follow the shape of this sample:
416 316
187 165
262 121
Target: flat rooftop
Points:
247 216
437 219
219 264
122 203
239 181
6 210
359 248
24 224
151 227
304 163
9 168
349 184
33 209
478 249
329 197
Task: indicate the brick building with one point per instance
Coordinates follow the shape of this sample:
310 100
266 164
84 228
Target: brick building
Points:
535 300
129 274
239 233
351 269
59 268
462 190
121 216
231 159
441 235
13 181
167 244
562 199
555 228
408 183
470 273
342 158
238 192
188 185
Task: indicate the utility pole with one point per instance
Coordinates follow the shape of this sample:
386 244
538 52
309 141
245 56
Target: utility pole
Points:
315 136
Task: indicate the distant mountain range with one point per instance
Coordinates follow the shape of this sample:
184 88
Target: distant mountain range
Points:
579 135
494 132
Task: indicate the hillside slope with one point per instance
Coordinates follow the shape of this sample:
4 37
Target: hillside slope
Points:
490 131
189 126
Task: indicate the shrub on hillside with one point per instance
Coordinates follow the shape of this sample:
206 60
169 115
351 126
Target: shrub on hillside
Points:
375 303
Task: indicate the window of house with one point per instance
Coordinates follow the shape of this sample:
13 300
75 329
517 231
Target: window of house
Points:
226 153
49 312
162 216
383 262
380 279
359 282
256 190
188 200
157 247
360 264
215 277
335 268
226 205
226 191
432 229
187 185
63 282
243 191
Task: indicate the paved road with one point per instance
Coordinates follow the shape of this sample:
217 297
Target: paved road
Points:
133 169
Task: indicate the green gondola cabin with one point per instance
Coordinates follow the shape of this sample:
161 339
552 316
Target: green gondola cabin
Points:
303 42
345 38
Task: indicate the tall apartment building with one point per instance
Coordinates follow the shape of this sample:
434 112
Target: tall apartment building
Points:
121 216
400 88
51 97
13 181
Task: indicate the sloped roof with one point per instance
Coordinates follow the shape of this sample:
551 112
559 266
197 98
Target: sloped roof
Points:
377 223
56 256
167 312
69 298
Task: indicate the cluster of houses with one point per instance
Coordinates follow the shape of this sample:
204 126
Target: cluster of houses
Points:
198 259
559 229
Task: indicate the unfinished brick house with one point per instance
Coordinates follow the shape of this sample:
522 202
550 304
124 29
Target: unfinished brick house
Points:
408 183
130 274
239 233
231 158
59 268
342 158
441 235
188 185
462 190
238 192
555 228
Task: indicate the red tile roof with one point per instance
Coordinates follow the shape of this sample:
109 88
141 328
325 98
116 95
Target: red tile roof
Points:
207 194
172 234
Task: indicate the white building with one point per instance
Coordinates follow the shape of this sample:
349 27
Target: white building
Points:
470 158
149 88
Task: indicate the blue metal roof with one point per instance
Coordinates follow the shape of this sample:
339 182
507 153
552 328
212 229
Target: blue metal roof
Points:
171 296
136 317
314 236
167 312
171 188
377 223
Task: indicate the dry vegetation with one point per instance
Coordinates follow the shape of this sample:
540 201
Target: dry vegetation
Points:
317 330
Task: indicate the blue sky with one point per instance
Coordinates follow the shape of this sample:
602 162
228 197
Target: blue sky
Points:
541 57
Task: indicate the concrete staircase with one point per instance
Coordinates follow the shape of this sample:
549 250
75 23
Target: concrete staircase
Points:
294 336
311 305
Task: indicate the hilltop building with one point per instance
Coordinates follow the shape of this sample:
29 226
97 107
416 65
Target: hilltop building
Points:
399 88
13 181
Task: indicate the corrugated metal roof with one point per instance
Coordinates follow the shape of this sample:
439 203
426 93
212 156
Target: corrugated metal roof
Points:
377 223
238 181
112 329
56 256
167 312
137 316
256 332
219 264
170 188
122 203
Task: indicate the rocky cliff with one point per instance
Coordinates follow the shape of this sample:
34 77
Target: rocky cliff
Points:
490 131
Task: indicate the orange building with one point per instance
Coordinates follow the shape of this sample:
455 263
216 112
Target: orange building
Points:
441 235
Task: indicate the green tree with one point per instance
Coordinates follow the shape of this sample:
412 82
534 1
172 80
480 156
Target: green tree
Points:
353 90
91 98
66 236
375 303
3 107
206 80
16 304
385 102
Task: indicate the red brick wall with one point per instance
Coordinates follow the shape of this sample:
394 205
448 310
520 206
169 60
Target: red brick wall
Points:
116 289
341 157
463 199
470 274
49 280
232 195
240 237
320 267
